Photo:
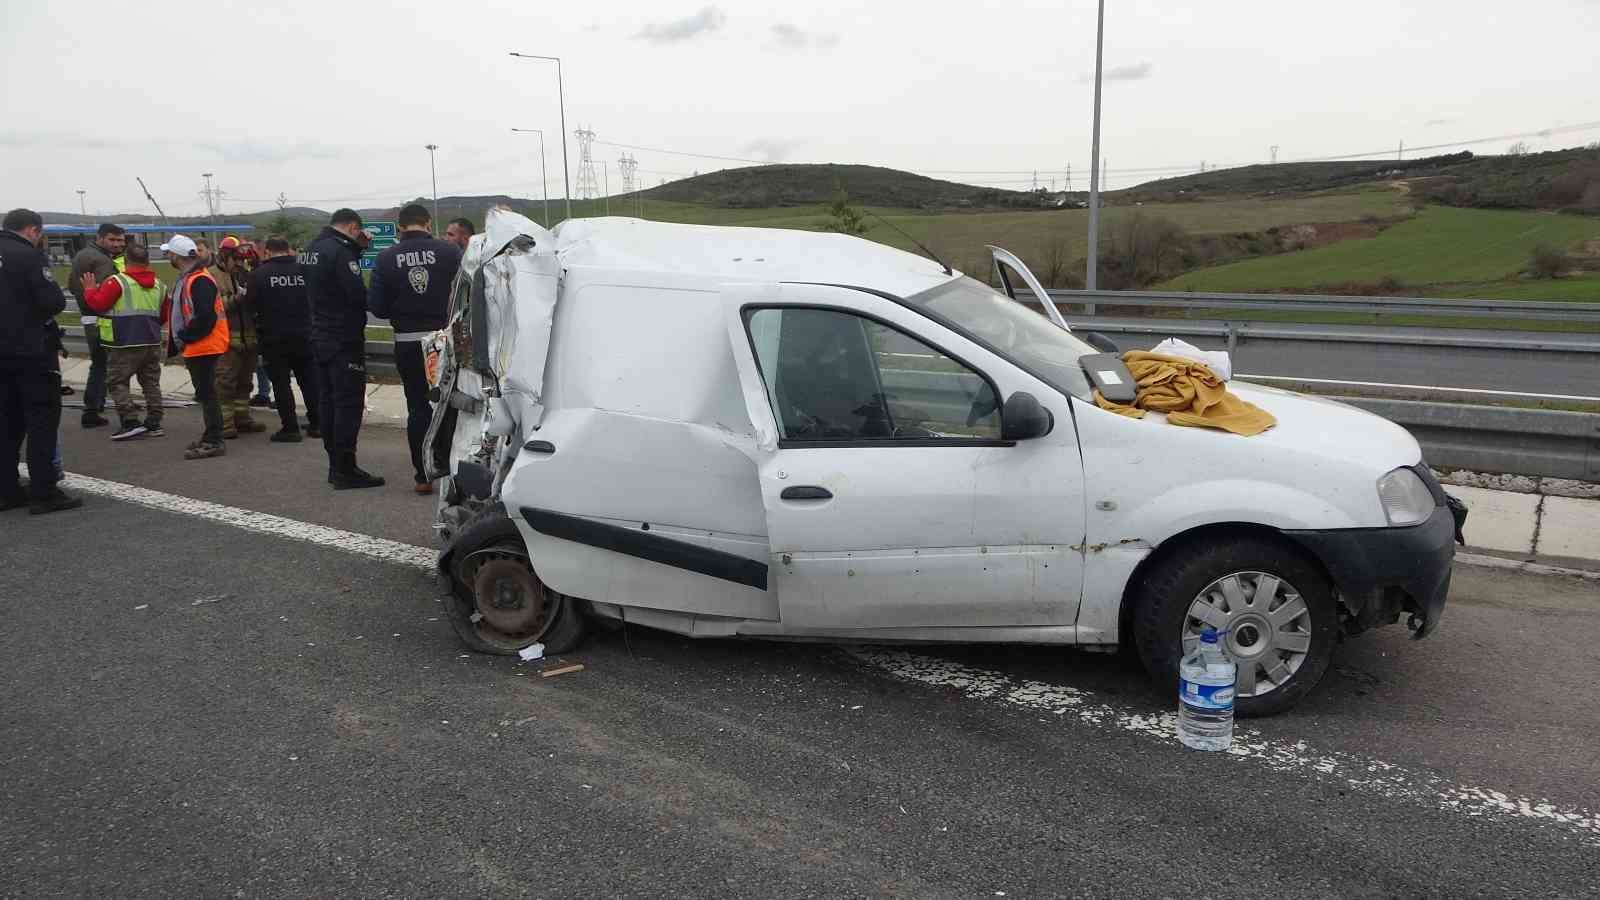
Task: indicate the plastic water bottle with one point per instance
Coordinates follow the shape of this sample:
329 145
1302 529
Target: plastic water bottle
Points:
1206 680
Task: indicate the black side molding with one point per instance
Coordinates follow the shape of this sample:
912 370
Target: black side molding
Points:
652 547
539 447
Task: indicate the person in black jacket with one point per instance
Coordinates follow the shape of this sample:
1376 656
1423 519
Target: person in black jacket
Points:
283 331
411 288
338 343
30 370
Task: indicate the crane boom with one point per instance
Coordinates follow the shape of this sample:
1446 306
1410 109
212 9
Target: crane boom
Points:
152 199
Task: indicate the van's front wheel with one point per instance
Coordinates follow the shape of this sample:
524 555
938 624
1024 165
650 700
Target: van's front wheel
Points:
496 603
1276 606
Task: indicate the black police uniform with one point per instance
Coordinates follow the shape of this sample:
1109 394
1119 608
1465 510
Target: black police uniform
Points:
30 370
283 329
338 343
411 288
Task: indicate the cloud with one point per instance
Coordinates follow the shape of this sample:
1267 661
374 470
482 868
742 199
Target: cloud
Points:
1136 72
773 150
241 152
60 141
258 152
793 37
677 30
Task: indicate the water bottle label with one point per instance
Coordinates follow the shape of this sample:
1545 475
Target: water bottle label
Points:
1206 696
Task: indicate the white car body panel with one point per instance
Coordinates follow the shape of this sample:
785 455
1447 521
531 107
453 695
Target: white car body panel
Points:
620 344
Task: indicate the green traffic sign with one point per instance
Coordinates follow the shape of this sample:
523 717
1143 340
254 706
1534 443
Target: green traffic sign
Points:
384 234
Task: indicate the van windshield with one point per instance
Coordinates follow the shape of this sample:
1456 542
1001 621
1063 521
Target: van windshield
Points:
1009 329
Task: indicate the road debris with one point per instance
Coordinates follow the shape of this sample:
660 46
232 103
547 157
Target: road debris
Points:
561 670
211 598
532 651
141 606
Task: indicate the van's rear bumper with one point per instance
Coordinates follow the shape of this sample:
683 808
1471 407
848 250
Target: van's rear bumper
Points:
1382 572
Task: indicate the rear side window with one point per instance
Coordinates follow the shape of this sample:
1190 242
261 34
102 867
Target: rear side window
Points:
835 376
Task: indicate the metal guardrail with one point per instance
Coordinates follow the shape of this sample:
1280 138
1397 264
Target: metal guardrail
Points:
1378 307
1547 443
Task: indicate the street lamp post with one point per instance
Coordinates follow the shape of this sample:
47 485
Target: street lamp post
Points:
433 172
82 208
561 98
544 185
1089 277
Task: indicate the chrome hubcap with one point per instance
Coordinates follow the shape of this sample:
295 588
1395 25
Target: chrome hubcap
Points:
1267 622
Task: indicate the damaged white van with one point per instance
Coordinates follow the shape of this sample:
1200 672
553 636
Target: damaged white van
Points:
762 433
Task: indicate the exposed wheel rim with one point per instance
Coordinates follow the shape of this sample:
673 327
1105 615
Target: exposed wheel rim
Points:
1268 627
511 606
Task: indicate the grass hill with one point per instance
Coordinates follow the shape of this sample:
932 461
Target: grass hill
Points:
803 185
1557 179
1441 251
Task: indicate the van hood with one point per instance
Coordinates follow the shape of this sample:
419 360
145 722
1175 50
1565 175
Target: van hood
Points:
1323 427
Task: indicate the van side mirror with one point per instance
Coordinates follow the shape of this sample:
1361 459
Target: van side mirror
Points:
1023 417
1102 343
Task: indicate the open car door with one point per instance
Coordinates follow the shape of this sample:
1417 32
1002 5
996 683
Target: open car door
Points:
1012 271
894 496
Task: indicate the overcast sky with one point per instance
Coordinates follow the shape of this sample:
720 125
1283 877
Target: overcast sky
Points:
331 103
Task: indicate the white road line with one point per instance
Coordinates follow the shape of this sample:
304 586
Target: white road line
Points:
265 523
1361 773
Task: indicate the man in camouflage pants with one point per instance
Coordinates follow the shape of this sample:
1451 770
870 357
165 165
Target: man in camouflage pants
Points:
237 368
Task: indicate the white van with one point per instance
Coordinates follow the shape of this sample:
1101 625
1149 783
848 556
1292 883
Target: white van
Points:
763 433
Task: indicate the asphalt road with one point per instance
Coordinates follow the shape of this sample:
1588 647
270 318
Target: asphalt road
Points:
188 707
1506 362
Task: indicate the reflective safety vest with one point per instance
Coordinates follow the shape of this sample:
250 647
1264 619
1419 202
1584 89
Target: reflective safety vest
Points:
213 344
135 320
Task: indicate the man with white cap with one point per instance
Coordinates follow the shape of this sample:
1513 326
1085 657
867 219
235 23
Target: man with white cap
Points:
198 328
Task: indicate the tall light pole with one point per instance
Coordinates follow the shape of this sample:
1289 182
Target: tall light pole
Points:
1089 278
561 98
543 184
81 207
434 174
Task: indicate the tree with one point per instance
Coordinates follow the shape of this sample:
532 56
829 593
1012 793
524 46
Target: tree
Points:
296 231
1520 148
844 218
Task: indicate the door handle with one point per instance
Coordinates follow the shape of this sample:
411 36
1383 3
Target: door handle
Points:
806 492
539 447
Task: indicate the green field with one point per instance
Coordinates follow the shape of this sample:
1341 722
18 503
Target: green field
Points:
960 236
1444 251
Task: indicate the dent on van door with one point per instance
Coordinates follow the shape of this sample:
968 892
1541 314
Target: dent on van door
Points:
893 496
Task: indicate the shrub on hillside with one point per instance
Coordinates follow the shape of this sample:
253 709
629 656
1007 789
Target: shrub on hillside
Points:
1546 262
1142 250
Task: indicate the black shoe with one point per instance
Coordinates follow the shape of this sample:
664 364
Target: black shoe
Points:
261 402
354 478
313 431
67 390
154 429
56 502
285 436
129 430
13 501
94 420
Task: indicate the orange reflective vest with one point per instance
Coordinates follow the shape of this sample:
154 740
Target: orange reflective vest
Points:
215 343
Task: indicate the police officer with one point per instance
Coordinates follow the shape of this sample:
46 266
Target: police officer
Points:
30 371
283 326
338 343
411 288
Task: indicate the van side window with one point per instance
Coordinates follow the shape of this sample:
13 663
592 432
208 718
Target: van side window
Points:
836 376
